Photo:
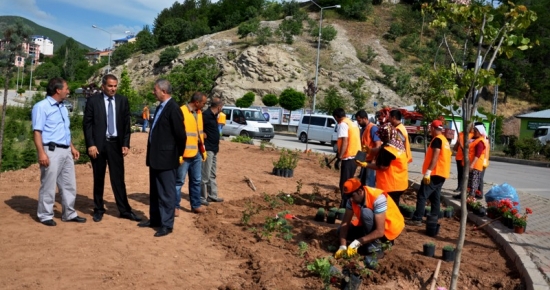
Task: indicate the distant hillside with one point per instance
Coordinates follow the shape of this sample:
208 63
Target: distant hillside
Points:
57 38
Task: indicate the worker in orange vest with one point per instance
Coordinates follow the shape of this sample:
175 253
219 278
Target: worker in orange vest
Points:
349 143
476 156
145 115
395 119
485 160
458 148
436 168
369 141
391 163
221 121
377 220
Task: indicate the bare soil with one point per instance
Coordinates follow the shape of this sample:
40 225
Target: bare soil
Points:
215 250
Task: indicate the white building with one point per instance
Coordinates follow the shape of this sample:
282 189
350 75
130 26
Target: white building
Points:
46 44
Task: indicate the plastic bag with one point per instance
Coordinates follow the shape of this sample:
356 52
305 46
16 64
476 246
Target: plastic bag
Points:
503 191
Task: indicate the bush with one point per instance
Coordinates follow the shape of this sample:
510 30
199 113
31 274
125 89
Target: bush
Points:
367 56
168 55
191 47
528 147
546 150
512 149
246 101
270 100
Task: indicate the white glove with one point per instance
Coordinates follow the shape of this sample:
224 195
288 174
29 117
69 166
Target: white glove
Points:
342 248
355 244
340 253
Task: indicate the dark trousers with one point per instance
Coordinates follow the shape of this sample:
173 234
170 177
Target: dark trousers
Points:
431 192
480 186
110 154
460 173
162 204
347 171
367 226
396 196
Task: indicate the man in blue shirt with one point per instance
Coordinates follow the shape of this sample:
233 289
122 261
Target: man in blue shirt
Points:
56 154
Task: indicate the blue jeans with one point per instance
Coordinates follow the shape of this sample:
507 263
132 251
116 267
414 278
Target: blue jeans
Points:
145 124
368 177
193 167
220 127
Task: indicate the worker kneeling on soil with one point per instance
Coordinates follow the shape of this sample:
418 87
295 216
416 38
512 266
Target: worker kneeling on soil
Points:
371 219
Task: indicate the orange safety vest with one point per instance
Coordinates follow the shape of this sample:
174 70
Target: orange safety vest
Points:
403 131
367 140
395 223
487 152
221 118
459 151
396 177
193 130
145 113
443 166
354 141
472 154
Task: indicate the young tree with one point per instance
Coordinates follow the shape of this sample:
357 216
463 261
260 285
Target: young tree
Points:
492 31
145 41
197 74
125 89
291 99
357 94
14 37
331 101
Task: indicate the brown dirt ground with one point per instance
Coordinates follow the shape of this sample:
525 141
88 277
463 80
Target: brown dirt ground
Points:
213 251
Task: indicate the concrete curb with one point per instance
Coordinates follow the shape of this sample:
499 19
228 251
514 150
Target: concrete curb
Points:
533 278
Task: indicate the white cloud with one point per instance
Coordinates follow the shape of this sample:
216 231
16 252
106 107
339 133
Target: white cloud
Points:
27 8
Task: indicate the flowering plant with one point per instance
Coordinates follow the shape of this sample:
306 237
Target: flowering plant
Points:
521 220
505 206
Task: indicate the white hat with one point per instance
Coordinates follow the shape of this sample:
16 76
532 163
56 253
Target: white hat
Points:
481 129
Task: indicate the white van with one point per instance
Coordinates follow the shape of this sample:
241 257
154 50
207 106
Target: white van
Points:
542 133
246 122
320 128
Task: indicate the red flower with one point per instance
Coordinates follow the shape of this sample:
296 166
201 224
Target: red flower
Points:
515 203
514 211
528 210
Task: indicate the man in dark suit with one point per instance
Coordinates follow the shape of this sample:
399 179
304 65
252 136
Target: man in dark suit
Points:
165 145
107 134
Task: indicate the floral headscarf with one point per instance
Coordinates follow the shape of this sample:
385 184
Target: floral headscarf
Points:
389 136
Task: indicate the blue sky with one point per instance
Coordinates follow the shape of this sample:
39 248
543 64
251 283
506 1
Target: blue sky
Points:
75 18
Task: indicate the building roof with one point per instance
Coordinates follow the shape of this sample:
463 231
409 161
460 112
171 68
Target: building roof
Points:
539 115
125 39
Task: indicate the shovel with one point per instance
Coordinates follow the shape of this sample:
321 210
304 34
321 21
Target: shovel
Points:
327 162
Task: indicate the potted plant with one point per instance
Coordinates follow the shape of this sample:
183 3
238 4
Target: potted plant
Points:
353 270
331 217
470 200
427 210
520 221
429 249
432 229
449 211
492 209
448 254
408 211
340 213
320 216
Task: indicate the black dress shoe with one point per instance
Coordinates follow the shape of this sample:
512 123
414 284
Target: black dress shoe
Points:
97 217
147 224
163 232
50 223
77 219
131 216
215 199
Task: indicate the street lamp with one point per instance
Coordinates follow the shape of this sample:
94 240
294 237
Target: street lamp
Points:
319 48
110 41
32 62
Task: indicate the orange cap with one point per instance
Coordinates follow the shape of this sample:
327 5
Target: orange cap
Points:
351 185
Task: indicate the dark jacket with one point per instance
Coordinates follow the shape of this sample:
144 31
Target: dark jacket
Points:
166 140
95 121
210 128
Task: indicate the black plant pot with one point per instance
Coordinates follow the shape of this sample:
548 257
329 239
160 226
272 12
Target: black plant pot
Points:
278 171
340 214
431 218
448 256
286 172
432 229
429 250
449 213
274 172
440 215
481 212
408 214
331 218
350 281
291 173
508 222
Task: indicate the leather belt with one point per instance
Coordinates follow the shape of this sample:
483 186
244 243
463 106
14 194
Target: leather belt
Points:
57 145
111 139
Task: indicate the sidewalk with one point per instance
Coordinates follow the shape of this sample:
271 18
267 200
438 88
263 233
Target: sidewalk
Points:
530 251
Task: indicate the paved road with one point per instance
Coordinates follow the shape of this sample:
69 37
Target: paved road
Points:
524 178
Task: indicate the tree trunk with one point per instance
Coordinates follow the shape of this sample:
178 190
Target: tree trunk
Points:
3 122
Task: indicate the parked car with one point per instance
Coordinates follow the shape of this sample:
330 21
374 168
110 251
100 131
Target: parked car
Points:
247 122
542 133
320 128
139 120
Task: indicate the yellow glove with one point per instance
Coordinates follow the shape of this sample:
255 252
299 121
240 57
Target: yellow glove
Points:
340 253
362 164
204 155
181 160
426 179
351 252
365 148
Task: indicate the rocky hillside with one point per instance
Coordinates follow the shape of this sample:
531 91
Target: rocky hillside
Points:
272 68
